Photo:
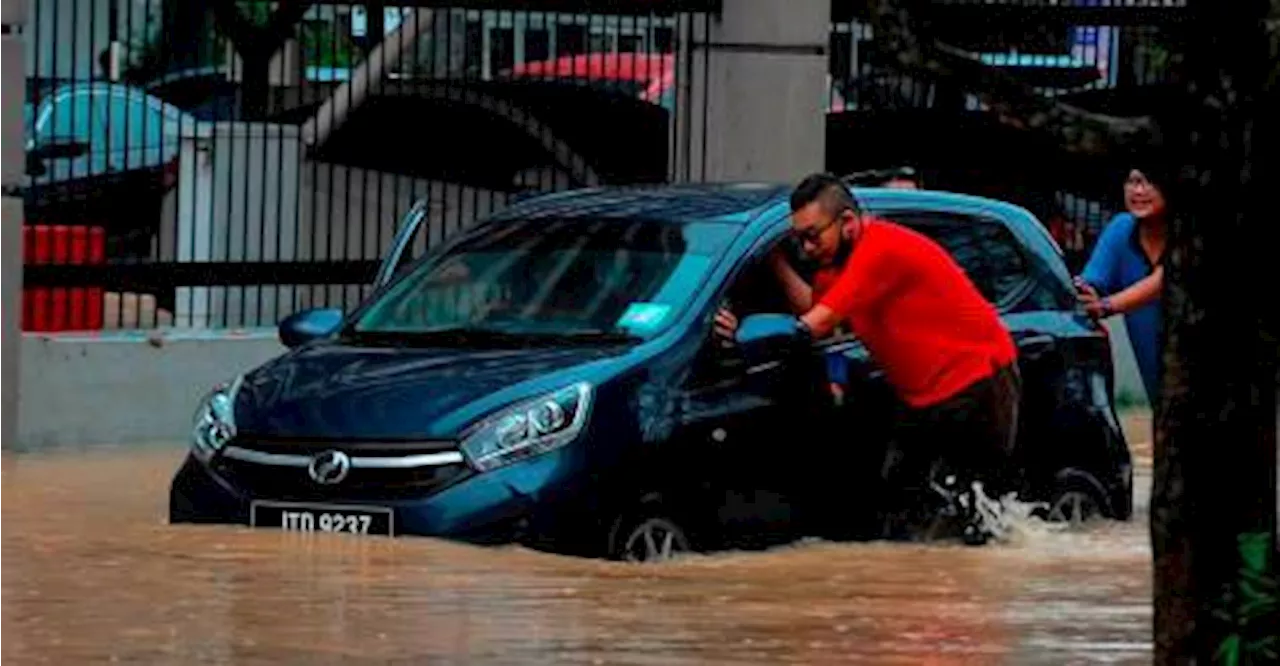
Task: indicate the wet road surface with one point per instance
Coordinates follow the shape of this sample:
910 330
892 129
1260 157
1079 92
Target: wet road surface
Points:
93 575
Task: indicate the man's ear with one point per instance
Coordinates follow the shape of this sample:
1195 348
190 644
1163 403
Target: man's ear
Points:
846 226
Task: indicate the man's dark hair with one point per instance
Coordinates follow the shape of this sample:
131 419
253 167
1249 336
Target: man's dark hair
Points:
828 190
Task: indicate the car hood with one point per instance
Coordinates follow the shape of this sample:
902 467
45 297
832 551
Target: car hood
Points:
337 392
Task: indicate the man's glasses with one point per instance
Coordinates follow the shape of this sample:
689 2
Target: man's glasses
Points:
814 234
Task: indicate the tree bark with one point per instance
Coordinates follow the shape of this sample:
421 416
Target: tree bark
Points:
1213 505
184 36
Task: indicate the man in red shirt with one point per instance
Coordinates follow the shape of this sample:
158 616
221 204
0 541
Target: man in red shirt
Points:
941 344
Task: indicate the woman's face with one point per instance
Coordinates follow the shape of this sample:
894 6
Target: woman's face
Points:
1141 197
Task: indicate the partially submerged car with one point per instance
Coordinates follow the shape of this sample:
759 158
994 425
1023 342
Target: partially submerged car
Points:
551 377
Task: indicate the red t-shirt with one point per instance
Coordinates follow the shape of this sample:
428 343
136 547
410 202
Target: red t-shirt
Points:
920 316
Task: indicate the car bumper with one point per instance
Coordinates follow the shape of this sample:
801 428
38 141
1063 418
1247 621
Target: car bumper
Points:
527 501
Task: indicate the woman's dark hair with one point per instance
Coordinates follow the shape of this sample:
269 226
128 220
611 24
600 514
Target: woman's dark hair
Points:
826 188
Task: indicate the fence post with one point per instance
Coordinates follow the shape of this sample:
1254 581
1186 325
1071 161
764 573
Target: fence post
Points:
13 88
755 107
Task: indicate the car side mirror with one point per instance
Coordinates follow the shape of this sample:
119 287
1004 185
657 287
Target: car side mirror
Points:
766 337
300 328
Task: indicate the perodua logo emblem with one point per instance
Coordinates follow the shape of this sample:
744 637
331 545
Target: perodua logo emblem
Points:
329 467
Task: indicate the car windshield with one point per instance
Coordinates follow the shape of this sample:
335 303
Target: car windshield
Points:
587 279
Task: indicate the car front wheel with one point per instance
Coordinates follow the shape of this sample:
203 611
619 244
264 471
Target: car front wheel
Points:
649 538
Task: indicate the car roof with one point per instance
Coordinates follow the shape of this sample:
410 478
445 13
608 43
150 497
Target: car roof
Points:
738 203
743 202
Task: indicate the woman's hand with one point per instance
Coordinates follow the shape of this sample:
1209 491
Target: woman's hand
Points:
1094 304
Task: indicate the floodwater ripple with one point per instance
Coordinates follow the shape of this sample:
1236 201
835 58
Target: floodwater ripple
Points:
92 574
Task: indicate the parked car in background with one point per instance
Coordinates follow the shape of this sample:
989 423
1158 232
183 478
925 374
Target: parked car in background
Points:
103 154
647 76
550 377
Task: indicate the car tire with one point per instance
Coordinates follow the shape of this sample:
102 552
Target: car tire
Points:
1075 500
648 536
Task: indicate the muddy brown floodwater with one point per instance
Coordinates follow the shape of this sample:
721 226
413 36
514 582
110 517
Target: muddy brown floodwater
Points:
92 575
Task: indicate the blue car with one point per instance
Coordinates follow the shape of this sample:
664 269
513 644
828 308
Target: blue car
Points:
551 377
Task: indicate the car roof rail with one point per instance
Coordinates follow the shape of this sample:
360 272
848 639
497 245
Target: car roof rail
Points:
876 177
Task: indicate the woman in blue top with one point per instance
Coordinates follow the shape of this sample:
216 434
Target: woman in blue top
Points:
1124 276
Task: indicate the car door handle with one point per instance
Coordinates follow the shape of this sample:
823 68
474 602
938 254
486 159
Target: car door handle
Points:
1037 343
763 367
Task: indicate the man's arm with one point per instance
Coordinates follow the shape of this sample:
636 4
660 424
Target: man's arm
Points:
799 293
852 291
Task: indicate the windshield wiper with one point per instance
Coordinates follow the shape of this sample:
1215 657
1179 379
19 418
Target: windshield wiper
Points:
588 335
444 336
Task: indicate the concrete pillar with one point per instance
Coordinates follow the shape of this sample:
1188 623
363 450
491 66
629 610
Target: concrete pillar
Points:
752 104
13 91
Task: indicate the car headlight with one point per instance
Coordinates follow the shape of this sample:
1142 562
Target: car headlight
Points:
528 428
215 420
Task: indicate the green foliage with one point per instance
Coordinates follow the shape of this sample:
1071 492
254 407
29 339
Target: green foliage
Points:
325 44
1249 607
258 13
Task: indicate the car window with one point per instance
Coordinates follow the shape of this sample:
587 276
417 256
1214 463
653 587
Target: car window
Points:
68 116
133 124
555 277
755 289
80 117
988 252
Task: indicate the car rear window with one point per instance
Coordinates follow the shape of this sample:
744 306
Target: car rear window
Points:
991 256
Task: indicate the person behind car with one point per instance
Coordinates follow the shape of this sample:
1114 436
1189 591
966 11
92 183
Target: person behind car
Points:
1123 275
941 344
905 179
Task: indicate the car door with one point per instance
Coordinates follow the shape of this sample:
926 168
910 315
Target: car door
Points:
751 427
409 242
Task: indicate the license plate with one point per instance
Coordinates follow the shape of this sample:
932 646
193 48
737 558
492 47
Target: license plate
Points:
323 518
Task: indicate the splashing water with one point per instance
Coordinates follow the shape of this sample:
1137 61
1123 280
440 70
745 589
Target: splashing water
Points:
1008 519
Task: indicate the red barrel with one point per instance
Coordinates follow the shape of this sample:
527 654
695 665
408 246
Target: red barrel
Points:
62 308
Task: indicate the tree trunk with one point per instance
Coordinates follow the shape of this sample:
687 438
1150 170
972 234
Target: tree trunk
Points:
1213 505
185 39
256 44
255 84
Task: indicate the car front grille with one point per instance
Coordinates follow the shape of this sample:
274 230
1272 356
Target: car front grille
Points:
379 470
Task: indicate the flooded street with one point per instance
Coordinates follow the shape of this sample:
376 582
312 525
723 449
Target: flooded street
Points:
92 575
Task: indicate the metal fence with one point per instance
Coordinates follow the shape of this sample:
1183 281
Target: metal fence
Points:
1108 57
222 164
225 163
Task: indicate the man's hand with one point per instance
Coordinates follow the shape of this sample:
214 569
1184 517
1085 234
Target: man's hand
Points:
726 325
821 321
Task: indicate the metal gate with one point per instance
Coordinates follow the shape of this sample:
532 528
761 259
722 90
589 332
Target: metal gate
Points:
230 162
1110 58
